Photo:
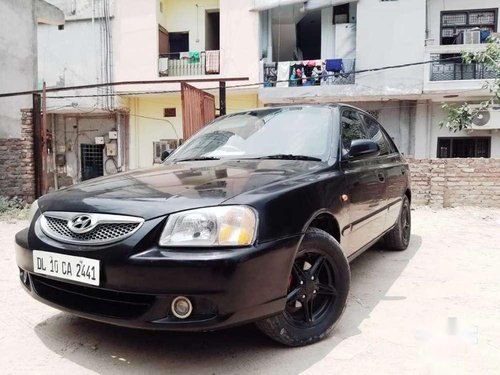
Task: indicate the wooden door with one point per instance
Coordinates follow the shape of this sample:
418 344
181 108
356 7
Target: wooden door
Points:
163 41
198 109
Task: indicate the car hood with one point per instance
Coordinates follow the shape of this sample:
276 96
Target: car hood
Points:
168 188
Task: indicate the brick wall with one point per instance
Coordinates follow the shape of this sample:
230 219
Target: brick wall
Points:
455 182
17 167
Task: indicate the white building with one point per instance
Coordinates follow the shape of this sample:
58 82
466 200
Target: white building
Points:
157 40
376 34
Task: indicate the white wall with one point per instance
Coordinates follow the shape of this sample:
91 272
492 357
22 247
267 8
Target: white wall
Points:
136 40
390 33
70 57
17 62
327 33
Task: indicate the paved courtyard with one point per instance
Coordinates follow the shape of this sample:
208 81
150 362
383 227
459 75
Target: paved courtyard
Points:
432 309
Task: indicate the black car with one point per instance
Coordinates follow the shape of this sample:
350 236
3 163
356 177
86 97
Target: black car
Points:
253 219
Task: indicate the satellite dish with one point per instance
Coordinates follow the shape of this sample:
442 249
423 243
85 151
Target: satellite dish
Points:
481 118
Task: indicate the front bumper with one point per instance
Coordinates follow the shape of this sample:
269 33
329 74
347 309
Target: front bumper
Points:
140 280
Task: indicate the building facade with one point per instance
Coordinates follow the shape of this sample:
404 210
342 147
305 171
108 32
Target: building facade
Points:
368 53
372 46
171 40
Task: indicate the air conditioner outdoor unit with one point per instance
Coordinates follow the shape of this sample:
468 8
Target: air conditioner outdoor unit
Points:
472 37
487 120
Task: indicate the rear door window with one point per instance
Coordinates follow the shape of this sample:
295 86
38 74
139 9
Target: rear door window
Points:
377 134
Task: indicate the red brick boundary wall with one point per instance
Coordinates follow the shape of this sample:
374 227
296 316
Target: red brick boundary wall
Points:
455 182
17 167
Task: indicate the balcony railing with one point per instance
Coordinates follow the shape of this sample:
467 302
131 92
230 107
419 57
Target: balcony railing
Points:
448 64
189 64
309 73
456 69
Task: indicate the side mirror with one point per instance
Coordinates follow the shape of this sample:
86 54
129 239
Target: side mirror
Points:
164 155
363 148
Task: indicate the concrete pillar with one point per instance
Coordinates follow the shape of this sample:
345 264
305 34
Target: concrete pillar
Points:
404 127
421 128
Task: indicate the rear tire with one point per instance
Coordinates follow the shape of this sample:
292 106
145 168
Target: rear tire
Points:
399 237
317 293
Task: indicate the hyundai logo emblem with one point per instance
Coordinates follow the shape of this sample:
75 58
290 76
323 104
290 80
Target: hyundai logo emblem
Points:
81 224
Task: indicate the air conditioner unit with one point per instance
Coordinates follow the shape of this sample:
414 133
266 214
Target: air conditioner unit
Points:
488 119
472 37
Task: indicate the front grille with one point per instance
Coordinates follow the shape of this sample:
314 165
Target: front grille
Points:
100 232
93 300
55 225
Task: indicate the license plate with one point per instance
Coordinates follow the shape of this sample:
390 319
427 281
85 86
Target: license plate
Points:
67 267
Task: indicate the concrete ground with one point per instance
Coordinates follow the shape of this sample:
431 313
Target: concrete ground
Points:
432 309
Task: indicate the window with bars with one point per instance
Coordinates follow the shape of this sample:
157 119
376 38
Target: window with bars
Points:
464 147
92 161
454 23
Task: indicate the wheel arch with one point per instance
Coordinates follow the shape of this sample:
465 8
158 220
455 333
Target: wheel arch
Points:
326 221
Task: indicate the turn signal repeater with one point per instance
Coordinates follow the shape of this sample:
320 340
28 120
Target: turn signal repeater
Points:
181 307
344 198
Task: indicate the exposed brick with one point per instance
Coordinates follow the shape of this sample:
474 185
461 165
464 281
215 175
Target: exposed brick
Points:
455 182
17 173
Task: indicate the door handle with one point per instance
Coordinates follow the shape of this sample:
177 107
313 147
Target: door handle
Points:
381 177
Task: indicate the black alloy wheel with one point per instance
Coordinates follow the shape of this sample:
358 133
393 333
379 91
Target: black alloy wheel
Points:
316 293
311 289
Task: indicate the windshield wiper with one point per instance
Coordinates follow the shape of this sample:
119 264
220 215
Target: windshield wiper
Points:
198 158
290 157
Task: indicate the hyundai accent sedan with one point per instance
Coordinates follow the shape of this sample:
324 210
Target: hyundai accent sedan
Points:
253 219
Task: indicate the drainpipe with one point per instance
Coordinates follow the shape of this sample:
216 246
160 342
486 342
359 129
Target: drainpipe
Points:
54 151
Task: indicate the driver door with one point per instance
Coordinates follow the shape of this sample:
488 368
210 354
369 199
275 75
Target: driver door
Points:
365 182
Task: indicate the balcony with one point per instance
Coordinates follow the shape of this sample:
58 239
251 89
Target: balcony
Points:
327 72
447 71
183 64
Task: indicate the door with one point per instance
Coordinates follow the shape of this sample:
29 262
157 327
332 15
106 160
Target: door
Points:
393 166
366 184
198 109
163 41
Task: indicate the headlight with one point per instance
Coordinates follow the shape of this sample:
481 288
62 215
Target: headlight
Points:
213 226
33 209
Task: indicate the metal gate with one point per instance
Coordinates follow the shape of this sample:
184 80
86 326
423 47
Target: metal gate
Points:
198 109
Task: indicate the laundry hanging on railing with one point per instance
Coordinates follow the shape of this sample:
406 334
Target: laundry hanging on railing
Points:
212 62
309 73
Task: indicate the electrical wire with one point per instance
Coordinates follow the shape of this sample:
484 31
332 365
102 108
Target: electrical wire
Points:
159 119
156 92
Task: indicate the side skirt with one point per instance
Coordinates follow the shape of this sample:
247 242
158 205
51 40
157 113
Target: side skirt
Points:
353 256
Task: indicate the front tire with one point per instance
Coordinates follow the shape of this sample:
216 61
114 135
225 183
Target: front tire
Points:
317 292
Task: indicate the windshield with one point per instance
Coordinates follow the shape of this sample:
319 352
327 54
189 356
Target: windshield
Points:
293 132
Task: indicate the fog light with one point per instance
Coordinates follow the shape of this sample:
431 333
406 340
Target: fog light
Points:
181 307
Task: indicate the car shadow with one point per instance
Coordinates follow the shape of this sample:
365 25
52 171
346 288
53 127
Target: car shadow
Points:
108 349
